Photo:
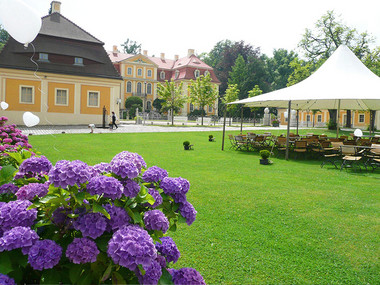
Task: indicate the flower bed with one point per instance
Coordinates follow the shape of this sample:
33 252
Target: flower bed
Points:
80 224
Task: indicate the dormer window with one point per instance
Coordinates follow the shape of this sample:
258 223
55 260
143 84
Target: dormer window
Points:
197 73
43 57
162 75
78 61
207 72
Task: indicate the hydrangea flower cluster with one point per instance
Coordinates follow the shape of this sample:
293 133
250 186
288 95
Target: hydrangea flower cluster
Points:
11 138
18 237
35 165
6 280
168 249
15 213
74 214
30 191
8 188
119 217
135 158
82 250
44 254
155 220
152 274
91 225
132 246
186 276
110 187
154 174
156 196
131 188
68 173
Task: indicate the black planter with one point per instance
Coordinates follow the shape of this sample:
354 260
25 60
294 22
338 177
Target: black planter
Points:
275 124
186 147
264 161
210 140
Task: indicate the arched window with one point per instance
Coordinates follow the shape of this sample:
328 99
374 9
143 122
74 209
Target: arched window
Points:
149 73
207 72
129 87
162 75
138 88
149 88
139 72
176 74
148 105
197 73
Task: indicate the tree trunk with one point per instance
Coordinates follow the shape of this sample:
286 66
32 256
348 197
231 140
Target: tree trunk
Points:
202 109
348 117
254 118
172 114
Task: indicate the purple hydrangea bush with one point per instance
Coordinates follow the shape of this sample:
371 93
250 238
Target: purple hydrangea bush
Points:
109 223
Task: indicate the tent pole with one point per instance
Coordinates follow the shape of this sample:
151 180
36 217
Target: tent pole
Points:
337 119
224 126
241 120
297 120
288 131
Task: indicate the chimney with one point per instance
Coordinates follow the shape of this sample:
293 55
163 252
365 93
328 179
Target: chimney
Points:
176 57
55 7
145 52
190 52
114 50
162 56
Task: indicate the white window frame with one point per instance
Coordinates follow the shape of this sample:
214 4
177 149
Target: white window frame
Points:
149 88
78 61
148 105
139 72
149 72
56 96
176 74
319 118
43 56
207 72
20 94
139 88
129 70
197 73
88 99
162 75
361 118
126 88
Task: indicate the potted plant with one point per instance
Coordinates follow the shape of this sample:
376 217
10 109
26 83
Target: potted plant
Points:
186 145
264 156
210 138
275 123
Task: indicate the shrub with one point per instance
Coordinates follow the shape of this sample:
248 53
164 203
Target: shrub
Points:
81 224
210 136
186 143
197 113
331 125
264 154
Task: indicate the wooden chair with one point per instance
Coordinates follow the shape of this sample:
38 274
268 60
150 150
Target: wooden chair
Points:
280 144
300 147
241 143
349 157
332 154
233 142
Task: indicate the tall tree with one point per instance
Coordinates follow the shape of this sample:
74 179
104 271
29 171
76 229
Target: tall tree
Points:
252 93
329 33
202 92
172 96
131 47
301 71
3 37
232 94
279 67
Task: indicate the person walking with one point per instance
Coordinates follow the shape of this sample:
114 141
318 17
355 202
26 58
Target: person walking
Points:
114 120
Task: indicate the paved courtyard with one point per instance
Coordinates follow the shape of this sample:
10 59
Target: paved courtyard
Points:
129 127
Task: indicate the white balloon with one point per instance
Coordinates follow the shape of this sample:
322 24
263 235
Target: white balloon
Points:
30 120
20 21
4 105
358 133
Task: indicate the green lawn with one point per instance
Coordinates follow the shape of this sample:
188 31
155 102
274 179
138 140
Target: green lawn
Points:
287 223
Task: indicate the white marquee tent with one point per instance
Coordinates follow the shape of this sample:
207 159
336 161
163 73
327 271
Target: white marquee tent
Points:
342 82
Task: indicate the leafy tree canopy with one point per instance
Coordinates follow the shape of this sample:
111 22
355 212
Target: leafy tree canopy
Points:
171 95
131 47
329 33
3 37
232 94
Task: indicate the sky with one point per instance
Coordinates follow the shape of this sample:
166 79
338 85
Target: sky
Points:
174 26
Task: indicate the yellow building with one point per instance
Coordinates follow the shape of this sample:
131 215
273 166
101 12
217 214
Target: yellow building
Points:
75 79
142 73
